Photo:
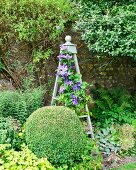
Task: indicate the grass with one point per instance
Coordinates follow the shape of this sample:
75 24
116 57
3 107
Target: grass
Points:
130 166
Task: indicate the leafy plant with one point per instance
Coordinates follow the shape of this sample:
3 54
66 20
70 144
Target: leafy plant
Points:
34 26
24 159
55 132
113 106
91 159
108 141
108 27
9 129
20 105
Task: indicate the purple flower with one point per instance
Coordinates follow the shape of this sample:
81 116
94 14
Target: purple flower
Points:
77 86
68 82
63 69
75 102
74 99
74 87
68 56
62 89
63 47
72 96
61 56
72 66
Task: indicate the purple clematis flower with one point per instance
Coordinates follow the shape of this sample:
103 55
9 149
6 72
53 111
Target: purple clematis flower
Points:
62 89
63 69
68 56
72 96
63 47
61 56
68 82
74 87
75 102
77 86
72 66
74 99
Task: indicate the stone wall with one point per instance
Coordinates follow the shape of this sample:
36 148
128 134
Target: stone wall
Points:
106 72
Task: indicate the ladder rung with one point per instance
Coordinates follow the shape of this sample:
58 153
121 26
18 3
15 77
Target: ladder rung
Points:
55 98
89 133
84 116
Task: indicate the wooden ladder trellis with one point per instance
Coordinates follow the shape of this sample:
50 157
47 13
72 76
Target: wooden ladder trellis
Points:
72 48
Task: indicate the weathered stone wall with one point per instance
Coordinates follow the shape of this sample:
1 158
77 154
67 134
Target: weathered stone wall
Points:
106 72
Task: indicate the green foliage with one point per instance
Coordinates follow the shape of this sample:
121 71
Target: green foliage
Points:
109 27
24 159
91 159
55 133
108 140
9 129
40 55
38 23
113 106
20 105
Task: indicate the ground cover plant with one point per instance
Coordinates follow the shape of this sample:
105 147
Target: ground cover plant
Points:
24 159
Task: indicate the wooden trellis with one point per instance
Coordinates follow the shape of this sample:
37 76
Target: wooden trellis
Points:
72 48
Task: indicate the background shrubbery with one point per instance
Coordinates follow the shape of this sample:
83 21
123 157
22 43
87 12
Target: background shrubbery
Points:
9 132
20 105
114 105
109 27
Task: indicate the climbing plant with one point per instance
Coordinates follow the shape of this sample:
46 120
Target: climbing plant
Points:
72 92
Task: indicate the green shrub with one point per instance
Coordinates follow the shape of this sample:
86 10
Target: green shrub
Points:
20 105
9 129
91 159
108 27
55 133
33 23
22 160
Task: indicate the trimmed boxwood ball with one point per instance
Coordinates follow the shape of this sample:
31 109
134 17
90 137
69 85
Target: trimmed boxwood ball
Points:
55 132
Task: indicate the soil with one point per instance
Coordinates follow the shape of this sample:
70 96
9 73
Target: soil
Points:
114 161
